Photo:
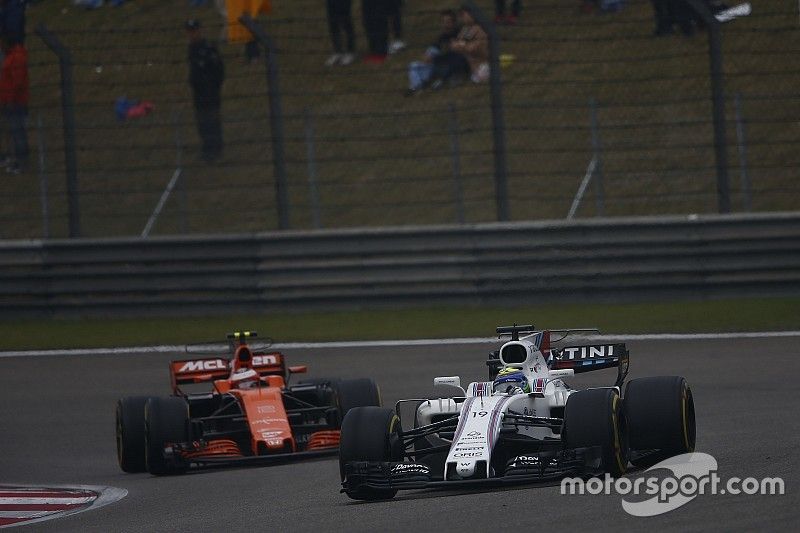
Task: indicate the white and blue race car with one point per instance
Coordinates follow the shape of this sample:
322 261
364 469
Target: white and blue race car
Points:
524 425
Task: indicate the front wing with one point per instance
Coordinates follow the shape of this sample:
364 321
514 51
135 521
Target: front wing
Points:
255 460
533 468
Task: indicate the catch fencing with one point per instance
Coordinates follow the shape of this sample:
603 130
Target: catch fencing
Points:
593 104
516 264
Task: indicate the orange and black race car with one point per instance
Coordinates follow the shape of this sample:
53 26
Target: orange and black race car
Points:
251 414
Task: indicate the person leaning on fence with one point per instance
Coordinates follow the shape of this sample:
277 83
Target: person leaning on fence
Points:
473 43
206 74
340 19
14 97
439 63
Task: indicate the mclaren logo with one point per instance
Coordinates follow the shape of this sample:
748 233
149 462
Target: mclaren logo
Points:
586 352
206 364
264 360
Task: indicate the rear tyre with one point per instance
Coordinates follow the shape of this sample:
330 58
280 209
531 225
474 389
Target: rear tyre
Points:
661 420
595 417
130 430
370 434
166 422
350 393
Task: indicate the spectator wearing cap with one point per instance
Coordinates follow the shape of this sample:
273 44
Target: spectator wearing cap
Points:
14 97
206 74
501 17
340 19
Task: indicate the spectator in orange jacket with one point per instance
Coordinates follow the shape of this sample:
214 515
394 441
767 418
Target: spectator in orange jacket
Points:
14 96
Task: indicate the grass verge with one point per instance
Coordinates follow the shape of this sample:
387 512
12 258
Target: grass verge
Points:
678 317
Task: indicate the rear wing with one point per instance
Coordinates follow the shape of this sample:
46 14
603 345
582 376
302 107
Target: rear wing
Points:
586 358
206 370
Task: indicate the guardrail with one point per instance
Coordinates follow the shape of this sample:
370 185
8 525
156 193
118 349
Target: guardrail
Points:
632 259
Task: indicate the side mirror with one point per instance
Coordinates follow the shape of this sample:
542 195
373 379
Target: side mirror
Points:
300 369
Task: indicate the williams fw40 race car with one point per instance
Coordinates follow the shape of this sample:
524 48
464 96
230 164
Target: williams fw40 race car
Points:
250 415
524 425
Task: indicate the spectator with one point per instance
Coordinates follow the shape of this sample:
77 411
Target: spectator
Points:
473 43
439 63
12 20
340 19
206 74
396 22
376 25
500 12
670 12
14 97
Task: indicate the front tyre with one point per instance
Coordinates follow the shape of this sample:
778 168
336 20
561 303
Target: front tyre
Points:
661 419
130 429
166 422
370 434
595 417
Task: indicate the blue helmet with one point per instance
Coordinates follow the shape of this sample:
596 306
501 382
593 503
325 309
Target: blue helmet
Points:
511 380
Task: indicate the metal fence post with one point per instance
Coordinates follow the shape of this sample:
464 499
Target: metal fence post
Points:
597 151
275 119
455 153
43 185
498 119
741 138
311 155
68 114
183 225
718 101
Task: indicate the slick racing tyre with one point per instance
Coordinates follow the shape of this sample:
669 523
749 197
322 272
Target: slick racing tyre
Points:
370 434
130 433
661 423
166 422
350 393
594 417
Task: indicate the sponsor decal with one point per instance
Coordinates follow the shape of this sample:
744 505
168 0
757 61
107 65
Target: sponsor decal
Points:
270 434
586 352
474 434
467 454
264 360
274 442
468 448
202 365
266 409
410 468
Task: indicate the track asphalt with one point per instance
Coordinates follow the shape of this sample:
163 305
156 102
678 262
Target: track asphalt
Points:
57 428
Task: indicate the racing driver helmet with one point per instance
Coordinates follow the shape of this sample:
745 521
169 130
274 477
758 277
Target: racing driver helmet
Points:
511 380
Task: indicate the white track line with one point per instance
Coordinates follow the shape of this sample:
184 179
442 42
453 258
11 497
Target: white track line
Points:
180 350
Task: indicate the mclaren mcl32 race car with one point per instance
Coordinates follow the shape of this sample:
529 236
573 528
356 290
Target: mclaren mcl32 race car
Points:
251 414
523 425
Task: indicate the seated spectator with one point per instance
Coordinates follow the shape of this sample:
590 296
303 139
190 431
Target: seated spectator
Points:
436 62
473 43
500 12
